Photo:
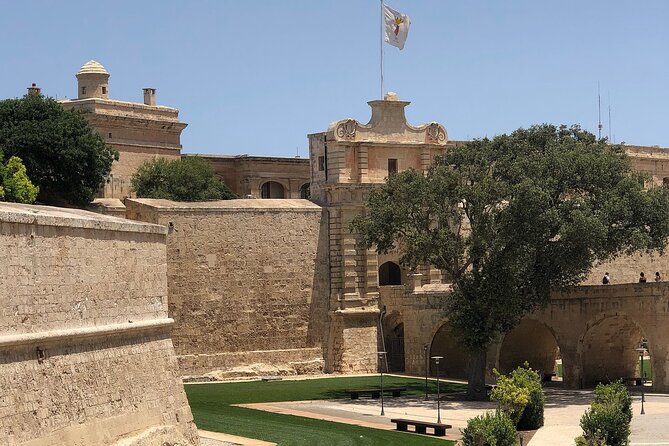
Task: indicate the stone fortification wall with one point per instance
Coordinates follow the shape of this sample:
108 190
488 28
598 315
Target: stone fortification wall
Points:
248 283
85 353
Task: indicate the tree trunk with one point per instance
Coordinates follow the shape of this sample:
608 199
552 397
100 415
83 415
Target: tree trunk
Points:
476 390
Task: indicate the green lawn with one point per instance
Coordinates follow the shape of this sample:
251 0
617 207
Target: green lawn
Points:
212 410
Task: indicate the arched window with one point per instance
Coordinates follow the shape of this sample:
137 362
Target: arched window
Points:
665 181
390 274
271 189
305 192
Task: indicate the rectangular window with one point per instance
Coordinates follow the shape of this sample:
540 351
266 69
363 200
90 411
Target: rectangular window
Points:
104 90
321 163
392 166
83 90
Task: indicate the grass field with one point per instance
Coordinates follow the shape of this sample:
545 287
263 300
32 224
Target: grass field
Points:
212 410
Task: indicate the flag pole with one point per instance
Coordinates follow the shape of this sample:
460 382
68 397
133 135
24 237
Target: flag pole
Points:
381 47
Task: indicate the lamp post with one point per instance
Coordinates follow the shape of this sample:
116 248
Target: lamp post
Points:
427 367
436 360
642 350
382 356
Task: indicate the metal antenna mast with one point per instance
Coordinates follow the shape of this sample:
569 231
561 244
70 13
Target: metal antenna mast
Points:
599 113
610 141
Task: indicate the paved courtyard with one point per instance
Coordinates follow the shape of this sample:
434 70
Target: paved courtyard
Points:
564 409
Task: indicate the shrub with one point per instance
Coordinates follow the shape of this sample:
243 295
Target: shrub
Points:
14 182
617 395
490 429
608 419
511 398
521 396
582 441
186 179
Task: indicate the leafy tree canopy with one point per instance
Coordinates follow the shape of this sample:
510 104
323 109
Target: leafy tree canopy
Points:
187 179
511 218
66 158
14 182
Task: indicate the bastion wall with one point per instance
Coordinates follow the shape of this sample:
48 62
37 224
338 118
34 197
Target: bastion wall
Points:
85 352
248 283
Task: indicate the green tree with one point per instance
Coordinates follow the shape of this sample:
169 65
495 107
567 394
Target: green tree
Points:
512 218
65 157
14 182
186 179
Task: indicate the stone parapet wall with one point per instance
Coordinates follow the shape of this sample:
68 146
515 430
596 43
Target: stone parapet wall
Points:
244 276
85 353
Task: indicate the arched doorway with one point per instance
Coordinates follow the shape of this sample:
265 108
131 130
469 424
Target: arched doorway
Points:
533 342
305 192
455 362
393 332
390 274
608 351
272 189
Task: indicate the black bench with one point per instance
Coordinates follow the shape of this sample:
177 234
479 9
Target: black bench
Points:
376 393
420 427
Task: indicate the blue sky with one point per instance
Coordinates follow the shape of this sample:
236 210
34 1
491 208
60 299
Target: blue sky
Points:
256 76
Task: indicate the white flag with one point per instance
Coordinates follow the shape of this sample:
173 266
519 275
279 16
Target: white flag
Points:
397 27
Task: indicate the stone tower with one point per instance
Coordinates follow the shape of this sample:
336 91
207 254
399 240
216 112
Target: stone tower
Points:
348 160
93 81
140 131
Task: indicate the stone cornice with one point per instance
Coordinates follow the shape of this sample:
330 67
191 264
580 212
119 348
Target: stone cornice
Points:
70 334
72 218
123 121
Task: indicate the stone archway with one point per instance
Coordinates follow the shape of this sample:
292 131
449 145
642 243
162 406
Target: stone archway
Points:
530 341
390 273
393 332
607 350
272 189
305 191
456 359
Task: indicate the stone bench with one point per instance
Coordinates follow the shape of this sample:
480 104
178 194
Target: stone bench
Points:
420 427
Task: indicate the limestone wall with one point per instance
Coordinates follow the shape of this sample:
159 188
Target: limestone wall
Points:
85 353
139 132
130 159
248 281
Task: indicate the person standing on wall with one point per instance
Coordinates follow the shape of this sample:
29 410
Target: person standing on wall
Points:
606 280
642 278
657 277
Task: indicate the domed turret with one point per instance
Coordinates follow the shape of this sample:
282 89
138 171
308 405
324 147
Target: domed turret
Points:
93 81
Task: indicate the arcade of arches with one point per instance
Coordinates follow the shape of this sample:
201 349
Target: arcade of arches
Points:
593 332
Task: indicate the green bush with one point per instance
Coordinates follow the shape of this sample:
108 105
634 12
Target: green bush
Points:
521 396
14 182
490 429
608 419
582 441
185 179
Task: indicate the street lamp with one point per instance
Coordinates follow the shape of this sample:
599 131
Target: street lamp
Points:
382 356
427 367
436 360
642 350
